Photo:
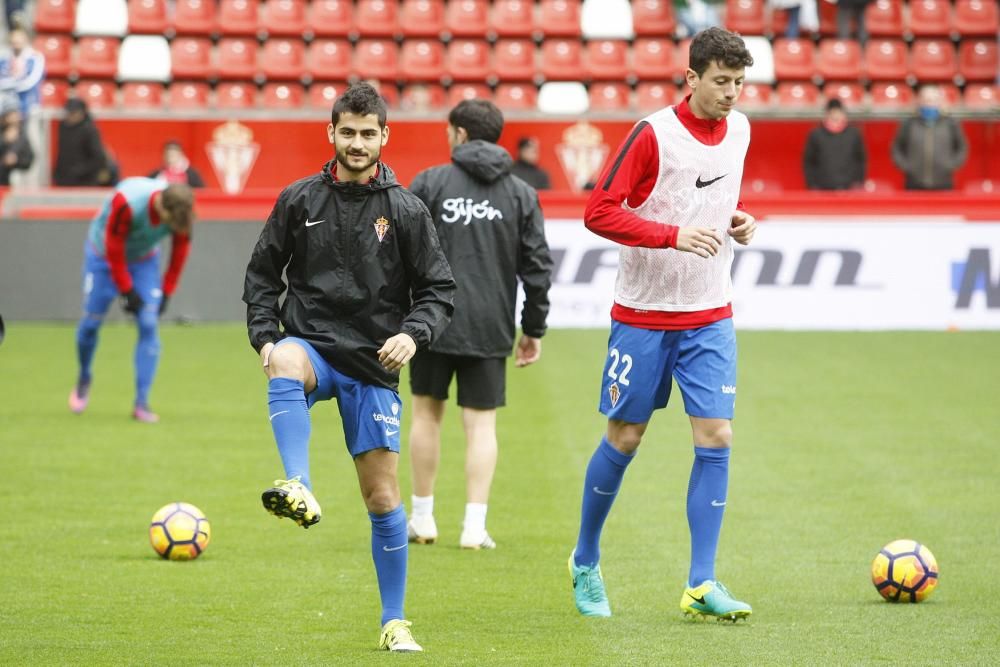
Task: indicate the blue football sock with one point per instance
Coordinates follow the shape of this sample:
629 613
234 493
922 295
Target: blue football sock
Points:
86 344
706 502
147 354
389 547
289 415
600 487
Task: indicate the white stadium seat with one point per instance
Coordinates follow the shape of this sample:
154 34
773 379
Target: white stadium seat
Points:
144 58
563 97
101 17
606 19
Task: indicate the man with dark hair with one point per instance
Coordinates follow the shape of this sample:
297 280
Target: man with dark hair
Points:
491 228
122 257
81 159
834 157
526 166
671 198
367 284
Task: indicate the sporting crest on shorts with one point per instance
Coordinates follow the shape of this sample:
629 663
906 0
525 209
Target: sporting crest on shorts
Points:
614 393
381 228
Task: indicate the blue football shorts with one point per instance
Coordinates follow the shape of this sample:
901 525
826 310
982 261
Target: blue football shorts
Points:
642 362
370 414
99 289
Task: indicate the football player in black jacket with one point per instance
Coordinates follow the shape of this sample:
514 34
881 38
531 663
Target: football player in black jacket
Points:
491 228
367 284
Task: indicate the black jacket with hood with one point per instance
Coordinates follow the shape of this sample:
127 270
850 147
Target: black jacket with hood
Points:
491 229
362 264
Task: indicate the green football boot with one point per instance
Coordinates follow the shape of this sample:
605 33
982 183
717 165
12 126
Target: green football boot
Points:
588 589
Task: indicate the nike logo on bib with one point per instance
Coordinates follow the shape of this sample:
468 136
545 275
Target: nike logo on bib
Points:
704 184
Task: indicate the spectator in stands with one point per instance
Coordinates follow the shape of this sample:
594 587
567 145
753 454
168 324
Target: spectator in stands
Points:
15 14
802 15
15 150
176 167
22 71
848 10
697 15
834 158
81 160
930 146
526 166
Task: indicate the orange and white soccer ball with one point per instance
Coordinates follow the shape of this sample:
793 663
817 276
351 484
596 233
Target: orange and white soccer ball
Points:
179 531
905 571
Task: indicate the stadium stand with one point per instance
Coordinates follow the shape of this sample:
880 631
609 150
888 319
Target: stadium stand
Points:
884 18
328 59
609 97
467 18
653 18
512 18
330 18
563 98
190 95
656 60
142 95
96 57
194 17
101 17
516 97
975 18
606 19
144 58
191 58
285 18
930 18
282 59
376 18
468 60
282 96
422 18
421 60
57 16
559 18
514 60
607 60
147 17
237 17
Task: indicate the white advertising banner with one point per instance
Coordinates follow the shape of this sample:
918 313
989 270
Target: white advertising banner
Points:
817 273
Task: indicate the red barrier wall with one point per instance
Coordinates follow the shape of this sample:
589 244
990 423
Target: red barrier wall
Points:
290 149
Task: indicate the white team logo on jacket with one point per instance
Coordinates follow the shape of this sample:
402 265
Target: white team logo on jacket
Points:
465 210
381 228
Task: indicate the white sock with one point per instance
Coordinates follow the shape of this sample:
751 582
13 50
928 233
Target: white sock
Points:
475 517
422 505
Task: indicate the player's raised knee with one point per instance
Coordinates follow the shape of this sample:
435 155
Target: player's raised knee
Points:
289 361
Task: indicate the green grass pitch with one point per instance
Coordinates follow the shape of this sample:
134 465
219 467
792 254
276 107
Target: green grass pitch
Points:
843 442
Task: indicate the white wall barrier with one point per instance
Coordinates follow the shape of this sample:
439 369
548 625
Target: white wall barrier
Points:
818 273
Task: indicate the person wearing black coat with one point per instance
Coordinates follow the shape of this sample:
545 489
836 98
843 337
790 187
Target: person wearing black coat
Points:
81 159
492 231
834 157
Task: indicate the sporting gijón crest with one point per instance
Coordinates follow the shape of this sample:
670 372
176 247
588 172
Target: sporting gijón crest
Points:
614 393
381 228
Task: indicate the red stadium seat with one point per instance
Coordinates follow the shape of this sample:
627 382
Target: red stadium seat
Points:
97 57
330 18
421 60
236 58
977 59
422 97
514 60
513 18
653 18
952 95
422 18
467 18
798 95
237 17
886 96
982 96
188 95
194 17
376 59
884 18
138 95
930 18
147 16
745 16
323 95
839 59
794 59
851 95
886 60
561 60
55 16
376 18
233 95
282 96
656 60
977 17
388 92
559 18
54 93
97 94
651 96
516 97
282 59
609 97
283 17
328 59
607 60
191 58
755 96
468 60
933 60
57 50
468 91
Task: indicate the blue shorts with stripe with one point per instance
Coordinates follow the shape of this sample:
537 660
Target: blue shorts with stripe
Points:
370 413
99 288
642 363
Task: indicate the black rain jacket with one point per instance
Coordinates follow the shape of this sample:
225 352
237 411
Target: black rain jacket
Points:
362 264
492 231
